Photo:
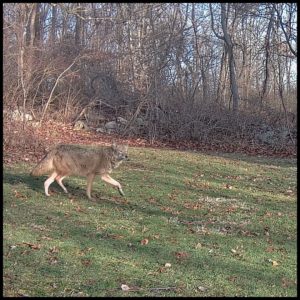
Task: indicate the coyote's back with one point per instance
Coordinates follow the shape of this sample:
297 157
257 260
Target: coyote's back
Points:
66 160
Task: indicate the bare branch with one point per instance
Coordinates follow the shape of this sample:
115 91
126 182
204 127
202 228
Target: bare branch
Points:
56 82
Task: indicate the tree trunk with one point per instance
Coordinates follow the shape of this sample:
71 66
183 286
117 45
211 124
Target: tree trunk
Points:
53 25
79 26
229 45
268 52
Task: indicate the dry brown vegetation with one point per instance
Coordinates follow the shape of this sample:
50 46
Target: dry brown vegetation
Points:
222 76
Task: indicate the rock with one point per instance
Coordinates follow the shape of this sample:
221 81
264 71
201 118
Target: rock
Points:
267 137
140 122
122 121
34 124
79 125
18 115
101 129
111 126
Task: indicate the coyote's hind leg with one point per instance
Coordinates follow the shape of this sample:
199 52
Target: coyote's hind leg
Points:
59 180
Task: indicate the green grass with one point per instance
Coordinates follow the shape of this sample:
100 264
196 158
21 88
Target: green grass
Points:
225 223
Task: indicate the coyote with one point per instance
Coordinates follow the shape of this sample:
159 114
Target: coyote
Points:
66 160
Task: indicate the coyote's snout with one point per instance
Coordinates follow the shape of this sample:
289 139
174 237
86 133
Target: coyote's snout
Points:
67 160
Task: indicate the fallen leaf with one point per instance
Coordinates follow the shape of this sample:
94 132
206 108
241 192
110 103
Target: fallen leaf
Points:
168 265
33 246
152 273
19 195
125 287
144 242
144 229
79 209
268 214
232 278
231 209
270 249
198 246
266 231
25 252
289 192
53 260
285 282
181 255
46 238
54 250
161 269
23 295
86 262
249 233
113 236
202 288
275 263
152 200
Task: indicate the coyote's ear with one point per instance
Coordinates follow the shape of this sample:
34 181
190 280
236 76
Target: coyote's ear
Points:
114 144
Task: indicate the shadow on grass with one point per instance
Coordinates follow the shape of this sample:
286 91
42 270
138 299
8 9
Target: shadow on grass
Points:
83 234
156 254
114 200
37 184
32 182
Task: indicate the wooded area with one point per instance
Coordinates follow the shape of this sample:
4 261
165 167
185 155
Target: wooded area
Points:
175 71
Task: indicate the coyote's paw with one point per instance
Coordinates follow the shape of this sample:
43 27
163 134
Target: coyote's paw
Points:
121 191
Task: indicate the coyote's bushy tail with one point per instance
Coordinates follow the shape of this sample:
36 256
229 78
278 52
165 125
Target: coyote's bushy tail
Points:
44 166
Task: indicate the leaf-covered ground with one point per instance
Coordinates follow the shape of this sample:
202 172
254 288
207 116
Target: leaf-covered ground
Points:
30 145
191 224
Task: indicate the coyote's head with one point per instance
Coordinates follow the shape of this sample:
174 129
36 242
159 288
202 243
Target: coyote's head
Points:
120 151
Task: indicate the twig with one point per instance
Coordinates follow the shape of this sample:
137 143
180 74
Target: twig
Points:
56 82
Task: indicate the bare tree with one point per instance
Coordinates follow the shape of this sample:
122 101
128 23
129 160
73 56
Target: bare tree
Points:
287 26
229 48
268 54
180 67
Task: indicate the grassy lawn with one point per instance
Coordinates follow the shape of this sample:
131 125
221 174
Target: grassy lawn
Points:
225 225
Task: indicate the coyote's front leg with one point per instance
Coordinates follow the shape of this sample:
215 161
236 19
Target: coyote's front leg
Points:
113 182
90 179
